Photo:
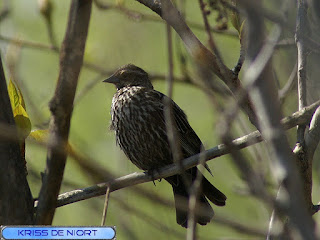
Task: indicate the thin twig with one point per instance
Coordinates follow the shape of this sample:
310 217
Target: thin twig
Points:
273 219
212 43
26 43
204 59
138 16
251 75
154 222
105 207
45 8
290 83
168 111
195 190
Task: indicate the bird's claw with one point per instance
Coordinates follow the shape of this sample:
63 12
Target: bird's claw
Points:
151 173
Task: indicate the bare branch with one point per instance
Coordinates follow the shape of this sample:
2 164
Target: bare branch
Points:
168 113
105 208
61 105
301 31
138 16
267 105
138 178
25 43
195 191
206 61
154 5
290 83
212 43
45 8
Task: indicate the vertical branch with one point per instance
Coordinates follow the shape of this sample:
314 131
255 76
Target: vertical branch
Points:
301 151
266 103
45 7
61 105
168 111
301 33
170 125
195 191
212 43
15 197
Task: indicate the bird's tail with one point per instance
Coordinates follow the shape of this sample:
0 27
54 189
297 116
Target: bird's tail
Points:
212 193
204 211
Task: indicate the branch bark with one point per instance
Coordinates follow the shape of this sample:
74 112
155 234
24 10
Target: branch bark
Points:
301 151
266 104
61 105
205 60
301 32
15 197
137 178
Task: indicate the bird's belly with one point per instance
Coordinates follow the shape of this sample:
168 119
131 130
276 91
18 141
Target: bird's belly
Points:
144 143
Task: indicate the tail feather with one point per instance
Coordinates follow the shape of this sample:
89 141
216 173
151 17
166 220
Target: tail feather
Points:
204 211
212 193
181 204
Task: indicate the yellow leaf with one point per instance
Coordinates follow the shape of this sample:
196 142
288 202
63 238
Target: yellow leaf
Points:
241 29
19 110
22 121
235 20
40 135
13 95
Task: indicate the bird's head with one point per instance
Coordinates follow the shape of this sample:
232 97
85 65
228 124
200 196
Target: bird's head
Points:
130 75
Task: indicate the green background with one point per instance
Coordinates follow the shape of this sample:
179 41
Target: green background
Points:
114 39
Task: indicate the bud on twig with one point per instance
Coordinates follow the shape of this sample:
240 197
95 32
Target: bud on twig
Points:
45 8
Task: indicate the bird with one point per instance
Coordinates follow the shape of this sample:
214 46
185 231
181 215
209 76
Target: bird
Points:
139 123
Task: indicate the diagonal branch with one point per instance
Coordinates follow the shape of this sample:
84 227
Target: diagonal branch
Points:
267 105
300 117
205 60
61 105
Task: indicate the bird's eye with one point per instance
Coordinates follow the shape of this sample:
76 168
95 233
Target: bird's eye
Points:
122 72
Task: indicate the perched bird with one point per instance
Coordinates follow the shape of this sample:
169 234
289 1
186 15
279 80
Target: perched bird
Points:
137 117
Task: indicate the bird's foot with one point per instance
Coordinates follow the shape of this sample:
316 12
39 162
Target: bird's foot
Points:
151 172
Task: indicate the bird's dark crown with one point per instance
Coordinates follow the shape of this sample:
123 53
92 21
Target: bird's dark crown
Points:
130 75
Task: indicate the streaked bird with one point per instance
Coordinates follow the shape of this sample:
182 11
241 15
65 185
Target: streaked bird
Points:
137 117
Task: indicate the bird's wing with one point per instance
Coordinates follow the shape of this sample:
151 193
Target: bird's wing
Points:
189 141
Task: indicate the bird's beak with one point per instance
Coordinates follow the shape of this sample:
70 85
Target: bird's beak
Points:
113 79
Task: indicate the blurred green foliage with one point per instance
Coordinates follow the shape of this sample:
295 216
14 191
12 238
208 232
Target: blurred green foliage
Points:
116 39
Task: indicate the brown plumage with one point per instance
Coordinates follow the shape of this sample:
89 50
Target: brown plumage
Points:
137 117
